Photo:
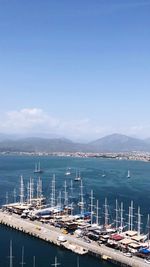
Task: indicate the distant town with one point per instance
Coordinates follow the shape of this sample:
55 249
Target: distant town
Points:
135 155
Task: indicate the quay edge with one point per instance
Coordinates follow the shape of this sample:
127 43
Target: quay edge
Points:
50 234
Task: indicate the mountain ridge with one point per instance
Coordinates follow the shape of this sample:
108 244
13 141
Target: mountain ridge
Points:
120 143
110 143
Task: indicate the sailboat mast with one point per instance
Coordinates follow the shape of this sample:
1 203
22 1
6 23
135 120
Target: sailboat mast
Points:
22 258
65 195
78 261
116 214
121 217
92 198
14 195
21 191
33 261
106 212
82 200
30 190
56 263
10 255
6 198
71 191
97 212
53 192
129 219
148 228
37 190
59 200
131 212
139 221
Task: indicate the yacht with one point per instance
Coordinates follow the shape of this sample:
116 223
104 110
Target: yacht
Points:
68 172
103 175
37 168
78 176
128 175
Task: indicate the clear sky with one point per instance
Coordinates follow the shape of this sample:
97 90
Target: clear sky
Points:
79 69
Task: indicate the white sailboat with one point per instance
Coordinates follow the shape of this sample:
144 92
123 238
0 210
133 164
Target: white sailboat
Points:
38 168
78 176
103 174
68 172
128 175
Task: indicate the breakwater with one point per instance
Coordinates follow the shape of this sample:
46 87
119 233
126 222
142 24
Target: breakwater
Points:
52 234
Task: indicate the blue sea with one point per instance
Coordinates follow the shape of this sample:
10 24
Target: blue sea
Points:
114 185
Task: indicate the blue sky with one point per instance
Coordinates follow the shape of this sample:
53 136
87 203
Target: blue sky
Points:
79 69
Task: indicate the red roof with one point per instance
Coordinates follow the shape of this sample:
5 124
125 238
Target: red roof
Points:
116 237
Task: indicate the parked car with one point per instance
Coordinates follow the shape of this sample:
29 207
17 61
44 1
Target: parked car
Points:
127 254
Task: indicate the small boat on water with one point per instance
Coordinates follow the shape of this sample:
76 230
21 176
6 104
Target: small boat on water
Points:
38 168
68 172
128 175
78 176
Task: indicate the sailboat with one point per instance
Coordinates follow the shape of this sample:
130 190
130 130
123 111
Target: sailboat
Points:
103 174
37 168
78 176
128 175
81 202
68 172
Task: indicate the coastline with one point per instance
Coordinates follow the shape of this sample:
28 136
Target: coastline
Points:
132 156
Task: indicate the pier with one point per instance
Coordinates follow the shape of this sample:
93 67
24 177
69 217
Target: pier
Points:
52 235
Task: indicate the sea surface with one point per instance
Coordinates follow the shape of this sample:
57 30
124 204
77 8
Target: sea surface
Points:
114 184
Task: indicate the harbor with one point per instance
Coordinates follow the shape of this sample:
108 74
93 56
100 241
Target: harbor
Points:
82 233
51 234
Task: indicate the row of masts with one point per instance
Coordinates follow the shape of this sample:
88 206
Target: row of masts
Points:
30 190
22 263
119 211
68 202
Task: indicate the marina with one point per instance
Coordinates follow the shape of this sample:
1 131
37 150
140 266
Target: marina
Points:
51 234
59 224
78 219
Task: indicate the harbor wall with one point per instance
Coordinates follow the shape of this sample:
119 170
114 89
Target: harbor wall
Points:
51 234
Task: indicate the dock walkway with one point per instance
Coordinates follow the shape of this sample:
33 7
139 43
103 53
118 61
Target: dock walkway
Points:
50 234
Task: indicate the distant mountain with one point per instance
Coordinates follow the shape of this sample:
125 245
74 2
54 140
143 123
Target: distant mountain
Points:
147 140
110 143
119 143
8 137
35 144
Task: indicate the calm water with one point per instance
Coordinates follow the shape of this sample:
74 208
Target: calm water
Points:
113 185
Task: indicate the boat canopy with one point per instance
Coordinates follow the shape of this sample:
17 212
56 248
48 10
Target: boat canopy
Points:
144 251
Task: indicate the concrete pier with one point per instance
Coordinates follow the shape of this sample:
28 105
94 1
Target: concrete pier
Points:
51 234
